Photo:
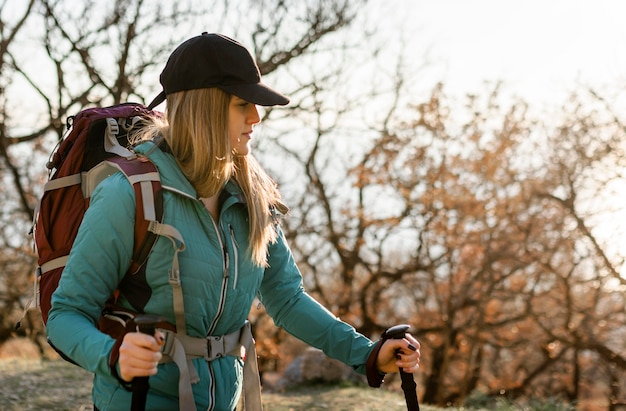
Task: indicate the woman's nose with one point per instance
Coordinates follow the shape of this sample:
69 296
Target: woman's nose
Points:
253 114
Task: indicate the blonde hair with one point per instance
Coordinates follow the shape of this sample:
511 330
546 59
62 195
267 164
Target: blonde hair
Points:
196 130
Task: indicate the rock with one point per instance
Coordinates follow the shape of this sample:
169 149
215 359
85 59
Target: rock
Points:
313 366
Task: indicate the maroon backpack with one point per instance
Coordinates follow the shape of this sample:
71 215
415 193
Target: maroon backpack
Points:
96 147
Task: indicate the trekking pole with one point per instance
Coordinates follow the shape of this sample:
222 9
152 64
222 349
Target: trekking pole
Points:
398 332
146 324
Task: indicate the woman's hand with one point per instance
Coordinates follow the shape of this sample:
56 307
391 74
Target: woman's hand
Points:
140 355
396 354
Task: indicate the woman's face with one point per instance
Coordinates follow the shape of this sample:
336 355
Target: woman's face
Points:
242 116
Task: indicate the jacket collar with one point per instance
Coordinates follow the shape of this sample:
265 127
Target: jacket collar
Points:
172 176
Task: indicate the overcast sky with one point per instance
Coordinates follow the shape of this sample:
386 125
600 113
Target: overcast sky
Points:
539 48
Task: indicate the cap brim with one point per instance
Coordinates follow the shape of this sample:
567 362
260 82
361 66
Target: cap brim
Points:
257 93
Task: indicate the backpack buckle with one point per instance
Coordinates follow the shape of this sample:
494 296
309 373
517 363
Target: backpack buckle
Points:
168 345
215 347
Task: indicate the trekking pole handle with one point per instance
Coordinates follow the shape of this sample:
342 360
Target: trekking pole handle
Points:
146 324
398 332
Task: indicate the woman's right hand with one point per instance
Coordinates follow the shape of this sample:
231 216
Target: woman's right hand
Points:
140 355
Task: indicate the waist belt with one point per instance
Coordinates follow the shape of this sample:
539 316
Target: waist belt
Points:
181 349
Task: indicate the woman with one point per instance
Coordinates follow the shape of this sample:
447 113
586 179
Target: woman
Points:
225 207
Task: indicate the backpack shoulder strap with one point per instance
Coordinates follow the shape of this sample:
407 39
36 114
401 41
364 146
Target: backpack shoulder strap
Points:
144 177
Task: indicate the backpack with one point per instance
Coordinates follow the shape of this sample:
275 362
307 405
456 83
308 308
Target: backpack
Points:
95 148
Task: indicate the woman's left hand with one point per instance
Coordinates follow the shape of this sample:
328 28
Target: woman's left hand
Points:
396 354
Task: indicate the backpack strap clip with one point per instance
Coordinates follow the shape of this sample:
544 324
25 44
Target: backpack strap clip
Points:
181 349
111 144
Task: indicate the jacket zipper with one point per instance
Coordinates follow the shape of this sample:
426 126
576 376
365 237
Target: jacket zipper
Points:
233 241
225 276
222 302
220 308
211 388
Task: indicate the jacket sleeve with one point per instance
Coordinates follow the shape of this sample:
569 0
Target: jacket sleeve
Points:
290 307
97 262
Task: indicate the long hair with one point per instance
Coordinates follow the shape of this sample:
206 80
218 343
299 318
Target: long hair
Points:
196 130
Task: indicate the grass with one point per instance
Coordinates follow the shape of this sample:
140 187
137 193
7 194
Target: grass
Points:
60 386
43 385
324 398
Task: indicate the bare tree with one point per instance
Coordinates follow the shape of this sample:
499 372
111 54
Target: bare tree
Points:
466 219
102 53
16 193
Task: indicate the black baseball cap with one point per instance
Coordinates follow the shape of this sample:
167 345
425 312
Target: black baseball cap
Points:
214 60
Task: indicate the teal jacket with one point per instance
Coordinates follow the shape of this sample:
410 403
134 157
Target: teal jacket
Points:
215 304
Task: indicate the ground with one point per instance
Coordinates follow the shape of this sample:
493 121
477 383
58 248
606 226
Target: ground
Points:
58 385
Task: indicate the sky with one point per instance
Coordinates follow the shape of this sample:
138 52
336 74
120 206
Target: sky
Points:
540 49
